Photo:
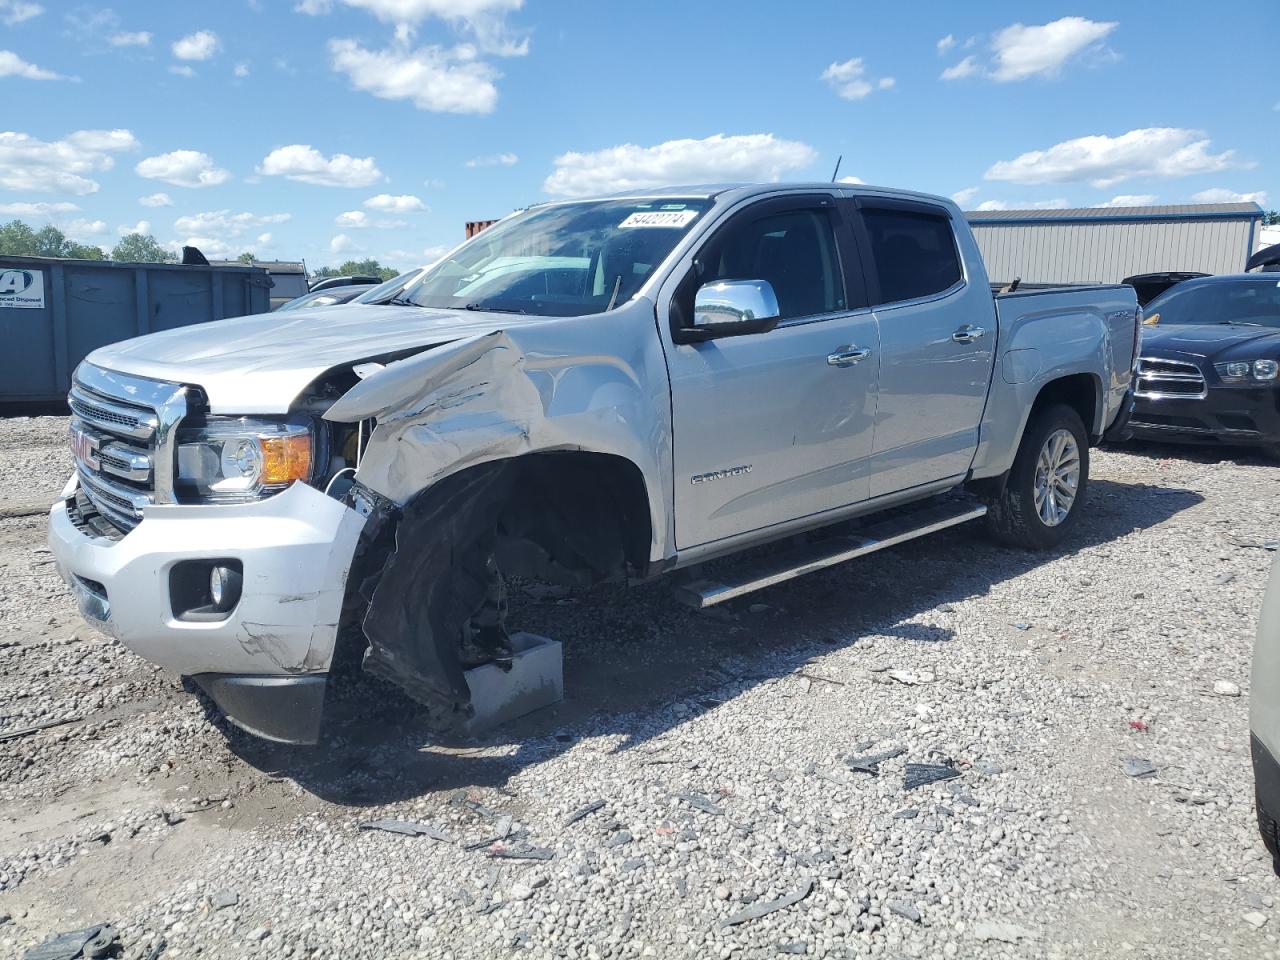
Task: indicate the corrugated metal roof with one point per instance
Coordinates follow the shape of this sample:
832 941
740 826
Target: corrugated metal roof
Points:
1171 211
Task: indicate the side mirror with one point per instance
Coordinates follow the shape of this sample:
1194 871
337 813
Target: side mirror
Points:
733 308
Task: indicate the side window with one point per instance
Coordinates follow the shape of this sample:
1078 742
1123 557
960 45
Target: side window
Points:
915 253
794 250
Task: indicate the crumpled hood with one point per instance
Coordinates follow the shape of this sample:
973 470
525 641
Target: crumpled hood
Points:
259 364
1202 340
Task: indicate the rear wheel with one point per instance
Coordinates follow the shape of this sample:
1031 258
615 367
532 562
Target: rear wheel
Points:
1043 498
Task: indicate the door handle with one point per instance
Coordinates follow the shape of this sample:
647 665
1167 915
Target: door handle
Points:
968 333
847 356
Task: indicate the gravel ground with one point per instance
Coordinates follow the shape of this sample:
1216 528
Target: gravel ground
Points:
711 751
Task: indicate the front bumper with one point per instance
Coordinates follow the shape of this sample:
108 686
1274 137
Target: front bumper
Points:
1245 415
296 549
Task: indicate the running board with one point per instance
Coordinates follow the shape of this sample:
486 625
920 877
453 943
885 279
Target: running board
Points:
789 564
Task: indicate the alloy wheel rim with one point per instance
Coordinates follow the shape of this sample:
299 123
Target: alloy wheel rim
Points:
1057 480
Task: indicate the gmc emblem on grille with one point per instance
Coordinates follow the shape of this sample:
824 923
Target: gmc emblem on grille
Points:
84 447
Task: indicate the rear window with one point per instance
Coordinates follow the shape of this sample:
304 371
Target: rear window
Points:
914 252
1247 302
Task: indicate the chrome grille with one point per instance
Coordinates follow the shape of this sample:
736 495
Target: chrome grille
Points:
122 433
1160 379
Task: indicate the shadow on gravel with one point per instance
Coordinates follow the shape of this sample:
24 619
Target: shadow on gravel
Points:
1206 453
637 664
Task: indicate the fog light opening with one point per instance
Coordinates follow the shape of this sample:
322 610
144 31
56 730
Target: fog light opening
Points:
224 587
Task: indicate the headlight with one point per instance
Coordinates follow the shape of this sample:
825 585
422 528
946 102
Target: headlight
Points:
1238 371
242 459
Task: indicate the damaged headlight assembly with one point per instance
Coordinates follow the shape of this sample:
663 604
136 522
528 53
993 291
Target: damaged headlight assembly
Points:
234 460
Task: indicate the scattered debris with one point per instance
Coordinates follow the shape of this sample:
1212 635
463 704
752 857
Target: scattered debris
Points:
617 840
699 802
1225 688
1022 626
1224 578
908 814
18 732
583 812
758 910
871 762
634 863
1004 932
1138 768
410 828
1255 919
99 940
988 768
797 948
910 679
922 774
904 910
1139 726
521 851
157 948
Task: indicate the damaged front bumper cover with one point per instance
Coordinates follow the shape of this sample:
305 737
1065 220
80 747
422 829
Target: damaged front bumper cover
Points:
266 662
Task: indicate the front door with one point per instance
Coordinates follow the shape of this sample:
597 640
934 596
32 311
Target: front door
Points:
778 425
937 345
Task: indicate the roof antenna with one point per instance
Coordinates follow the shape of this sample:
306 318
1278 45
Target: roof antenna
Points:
836 172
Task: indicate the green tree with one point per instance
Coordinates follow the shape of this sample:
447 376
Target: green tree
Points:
17 239
141 248
246 257
357 268
1271 218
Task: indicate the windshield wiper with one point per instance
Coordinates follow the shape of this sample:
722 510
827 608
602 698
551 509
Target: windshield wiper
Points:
480 307
400 302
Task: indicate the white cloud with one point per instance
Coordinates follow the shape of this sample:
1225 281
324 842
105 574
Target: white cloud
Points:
1131 200
484 20
404 203
1103 160
359 220
758 156
212 247
156 200
1056 204
1022 51
17 11
958 71
341 244
12 65
80 228
241 70
183 168
313 8
962 197
182 70
302 162
59 166
1221 195
142 226
439 79
850 81
40 210
201 45
224 223
126 38
264 239
946 43
851 179
494 160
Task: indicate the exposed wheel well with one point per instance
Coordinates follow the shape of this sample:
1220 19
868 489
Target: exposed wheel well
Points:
1078 391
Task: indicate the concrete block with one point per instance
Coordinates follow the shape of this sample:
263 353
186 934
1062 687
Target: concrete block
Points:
535 680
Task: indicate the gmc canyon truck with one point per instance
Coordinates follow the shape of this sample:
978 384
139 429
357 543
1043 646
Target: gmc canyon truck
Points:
613 388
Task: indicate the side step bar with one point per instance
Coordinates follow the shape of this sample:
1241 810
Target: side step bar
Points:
809 557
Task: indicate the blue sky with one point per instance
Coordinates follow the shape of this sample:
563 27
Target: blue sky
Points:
330 129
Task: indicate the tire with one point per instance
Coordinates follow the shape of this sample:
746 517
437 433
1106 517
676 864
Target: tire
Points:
1015 517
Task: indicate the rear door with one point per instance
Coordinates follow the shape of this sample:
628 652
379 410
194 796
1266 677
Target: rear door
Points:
775 426
937 343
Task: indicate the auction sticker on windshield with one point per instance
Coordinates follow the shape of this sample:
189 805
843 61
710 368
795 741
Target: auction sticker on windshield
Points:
659 218
23 289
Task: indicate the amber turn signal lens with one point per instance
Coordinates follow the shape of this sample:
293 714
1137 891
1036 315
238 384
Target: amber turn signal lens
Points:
285 459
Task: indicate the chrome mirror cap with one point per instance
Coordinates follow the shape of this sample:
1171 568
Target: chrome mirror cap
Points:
726 304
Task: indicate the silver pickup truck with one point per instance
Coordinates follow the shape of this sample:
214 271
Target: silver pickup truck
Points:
595 389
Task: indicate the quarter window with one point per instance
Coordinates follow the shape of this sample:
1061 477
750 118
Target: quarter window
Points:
795 251
915 253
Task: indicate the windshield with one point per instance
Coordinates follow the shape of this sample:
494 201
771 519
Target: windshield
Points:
564 260
1255 302
388 288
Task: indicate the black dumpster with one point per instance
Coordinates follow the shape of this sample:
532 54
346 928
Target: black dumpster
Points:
54 312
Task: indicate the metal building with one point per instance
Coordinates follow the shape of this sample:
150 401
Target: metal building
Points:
1107 244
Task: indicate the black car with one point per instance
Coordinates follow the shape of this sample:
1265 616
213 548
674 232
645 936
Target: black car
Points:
1210 365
